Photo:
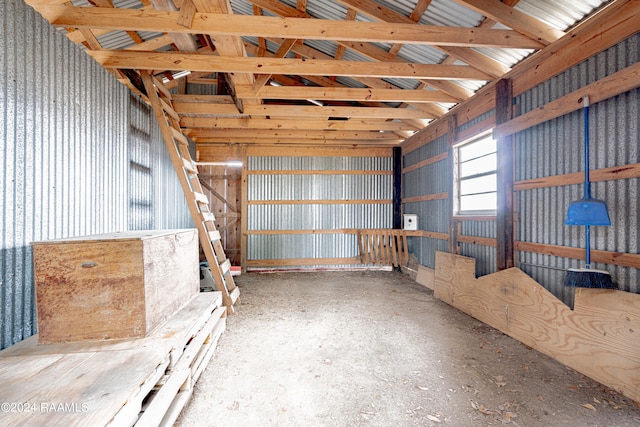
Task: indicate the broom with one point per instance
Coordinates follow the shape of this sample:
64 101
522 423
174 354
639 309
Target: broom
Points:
588 212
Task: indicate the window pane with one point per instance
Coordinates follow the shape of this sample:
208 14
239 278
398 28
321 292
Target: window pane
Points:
483 164
481 184
478 148
479 202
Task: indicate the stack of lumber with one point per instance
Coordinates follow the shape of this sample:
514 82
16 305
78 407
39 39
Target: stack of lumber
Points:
143 381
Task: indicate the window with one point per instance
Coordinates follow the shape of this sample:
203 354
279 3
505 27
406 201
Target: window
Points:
475 184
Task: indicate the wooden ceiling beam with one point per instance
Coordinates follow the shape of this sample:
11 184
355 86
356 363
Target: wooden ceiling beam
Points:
222 25
294 141
299 124
292 111
177 61
345 94
469 56
184 41
513 18
304 134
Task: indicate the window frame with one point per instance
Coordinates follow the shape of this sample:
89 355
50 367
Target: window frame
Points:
458 178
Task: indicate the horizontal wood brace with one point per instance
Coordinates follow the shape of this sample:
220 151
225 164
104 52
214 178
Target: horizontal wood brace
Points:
476 240
427 162
615 258
595 175
426 197
287 262
319 202
319 172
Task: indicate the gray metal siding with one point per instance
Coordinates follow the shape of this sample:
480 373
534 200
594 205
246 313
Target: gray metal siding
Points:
66 143
315 216
433 215
557 148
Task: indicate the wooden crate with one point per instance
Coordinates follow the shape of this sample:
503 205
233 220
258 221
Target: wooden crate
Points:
110 286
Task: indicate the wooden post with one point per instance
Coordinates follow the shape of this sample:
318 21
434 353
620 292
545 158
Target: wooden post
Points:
244 211
397 187
504 215
452 125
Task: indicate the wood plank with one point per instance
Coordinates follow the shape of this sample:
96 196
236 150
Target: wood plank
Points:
245 134
505 231
426 198
201 198
427 162
513 18
605 88
346 94
321 202
384 14
600 344
301 124
331 172
220 24
288 262
595 175
305 67
426 276
605 257
284 111
477 240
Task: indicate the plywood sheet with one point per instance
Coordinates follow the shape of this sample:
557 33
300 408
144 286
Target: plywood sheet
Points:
599 338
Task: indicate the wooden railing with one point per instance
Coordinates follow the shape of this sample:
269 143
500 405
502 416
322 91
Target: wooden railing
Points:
383 247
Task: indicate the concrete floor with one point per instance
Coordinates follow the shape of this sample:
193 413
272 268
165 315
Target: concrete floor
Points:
377 349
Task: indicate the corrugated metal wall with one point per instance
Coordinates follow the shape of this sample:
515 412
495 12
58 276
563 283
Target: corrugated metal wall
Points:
433 215
69 156
278 187
549 149
557 147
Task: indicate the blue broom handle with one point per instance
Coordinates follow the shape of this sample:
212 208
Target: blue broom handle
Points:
587 250
587 184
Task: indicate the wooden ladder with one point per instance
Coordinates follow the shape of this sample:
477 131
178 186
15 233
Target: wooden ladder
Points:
178 146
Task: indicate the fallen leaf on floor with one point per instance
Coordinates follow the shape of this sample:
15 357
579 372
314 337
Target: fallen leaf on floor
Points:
423 388
596 400
588 406
485 410
434 419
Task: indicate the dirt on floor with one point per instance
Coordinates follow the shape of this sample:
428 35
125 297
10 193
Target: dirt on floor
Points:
378 349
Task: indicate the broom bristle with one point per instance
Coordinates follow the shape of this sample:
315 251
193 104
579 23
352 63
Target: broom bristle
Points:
588 278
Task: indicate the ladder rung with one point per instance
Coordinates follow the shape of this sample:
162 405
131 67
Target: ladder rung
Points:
188 165
214 235
201 198
225 267
162 88
179 136
234 294
169 110
208 216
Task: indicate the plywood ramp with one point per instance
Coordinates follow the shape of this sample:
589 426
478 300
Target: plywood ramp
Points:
599 338
142 382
